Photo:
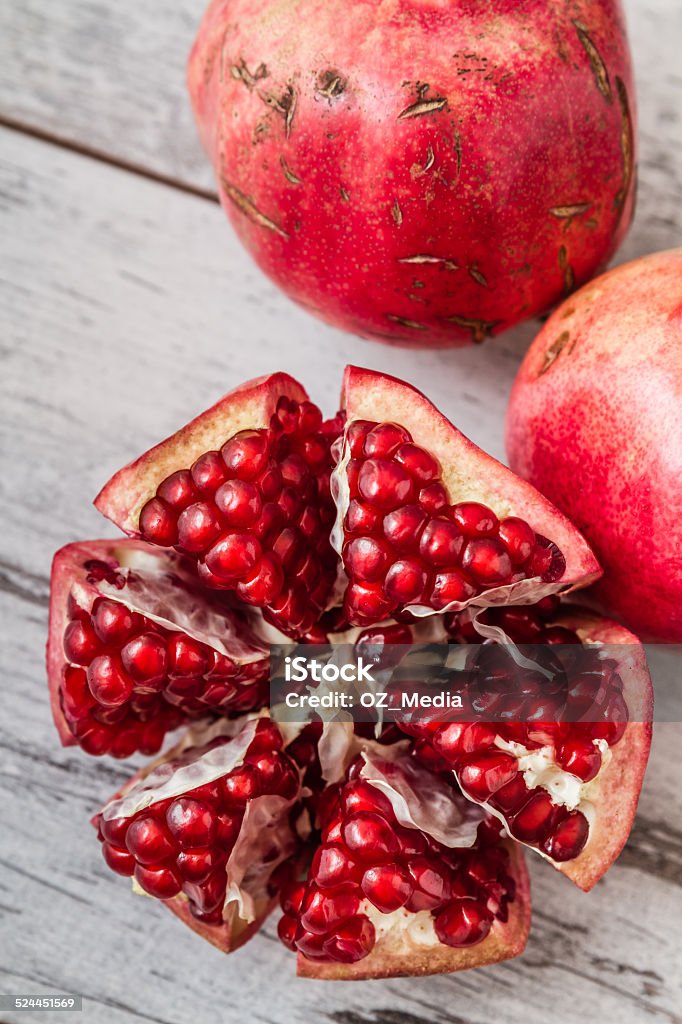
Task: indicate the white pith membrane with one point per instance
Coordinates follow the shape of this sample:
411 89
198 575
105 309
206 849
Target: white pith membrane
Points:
265 827
527 591
159 587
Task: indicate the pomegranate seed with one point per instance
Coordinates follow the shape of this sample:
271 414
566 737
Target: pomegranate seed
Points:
521 624
114 830
158 524
246 454
177 490
419 463
191 822
363 796
362 518
402 528
487 560
228 827
197 865
276 774
322 911
433 498
474 519
512 796
518 538
381 441
579 757
366 603
333 867
186 656
352 941
441 543
310 945
464 922
366 559
535 818
148 840
210 894
286 930
384 484
120 861
546 561
411 843
112 622
81 643
369 837
95 740
208 472
264 585
267 739
431 886
387 886
233 555
108 683
241 785
356 432
448 741
144 658
567 839
405 582
486 772
198 527
450 586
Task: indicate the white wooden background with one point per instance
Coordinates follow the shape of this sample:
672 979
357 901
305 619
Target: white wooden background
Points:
127 306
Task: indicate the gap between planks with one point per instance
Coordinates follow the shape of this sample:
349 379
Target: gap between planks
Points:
92 153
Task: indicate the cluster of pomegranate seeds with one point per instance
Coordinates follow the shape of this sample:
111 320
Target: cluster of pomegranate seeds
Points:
406 544
182 845
487 767
256 516
128 680
366 855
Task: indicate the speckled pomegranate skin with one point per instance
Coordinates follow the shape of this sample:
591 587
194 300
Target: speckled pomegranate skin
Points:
424 172
595 423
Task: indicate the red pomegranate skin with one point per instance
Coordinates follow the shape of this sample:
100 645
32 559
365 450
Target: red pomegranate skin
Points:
422 172
595 423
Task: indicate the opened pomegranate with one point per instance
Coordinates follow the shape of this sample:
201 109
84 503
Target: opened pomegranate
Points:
598 399
394 847
136 648
205 828
426 173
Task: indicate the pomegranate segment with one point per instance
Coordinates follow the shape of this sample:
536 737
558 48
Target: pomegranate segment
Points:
386 898
136 649
205 829
426 522
243 491
405 544
566 787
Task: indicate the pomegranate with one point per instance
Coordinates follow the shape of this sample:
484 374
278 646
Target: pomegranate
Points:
205 828
394 847
423 519
598 401
406 880
136 648
423 174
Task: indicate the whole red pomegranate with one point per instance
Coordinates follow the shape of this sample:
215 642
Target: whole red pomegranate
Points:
595 422
424 172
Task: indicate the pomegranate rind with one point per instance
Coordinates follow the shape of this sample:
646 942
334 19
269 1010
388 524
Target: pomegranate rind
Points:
617 787
248 407
393 958
468 473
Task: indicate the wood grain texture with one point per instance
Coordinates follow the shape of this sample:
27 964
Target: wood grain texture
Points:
125 307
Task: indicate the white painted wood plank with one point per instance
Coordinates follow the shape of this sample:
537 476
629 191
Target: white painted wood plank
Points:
112 77
124 308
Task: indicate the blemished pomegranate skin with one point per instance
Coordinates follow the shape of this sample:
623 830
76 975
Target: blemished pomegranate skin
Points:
595 423
421 172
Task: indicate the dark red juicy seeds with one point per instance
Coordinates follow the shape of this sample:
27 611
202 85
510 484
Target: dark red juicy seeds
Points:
183 844
567 839
484 773
256 516
579 755
128 681
404 544
464 922
366 855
